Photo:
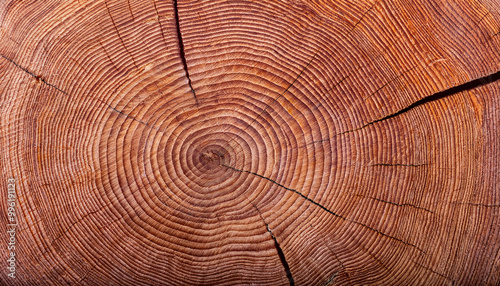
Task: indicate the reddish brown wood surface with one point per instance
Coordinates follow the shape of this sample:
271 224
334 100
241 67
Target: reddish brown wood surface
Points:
251 142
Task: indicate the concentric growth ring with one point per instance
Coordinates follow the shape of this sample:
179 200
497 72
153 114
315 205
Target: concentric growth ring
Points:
230 142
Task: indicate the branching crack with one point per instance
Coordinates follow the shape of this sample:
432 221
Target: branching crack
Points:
436 96
325 209
278 249
181 49
37 77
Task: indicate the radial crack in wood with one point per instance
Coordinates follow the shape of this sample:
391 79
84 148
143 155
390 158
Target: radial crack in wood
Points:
37 77
181 48
437 96
216 142
278 249
324 208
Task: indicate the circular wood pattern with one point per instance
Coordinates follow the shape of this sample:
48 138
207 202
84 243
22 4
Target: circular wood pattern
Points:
196 142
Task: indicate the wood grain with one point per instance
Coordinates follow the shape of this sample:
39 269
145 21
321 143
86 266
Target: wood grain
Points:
194 142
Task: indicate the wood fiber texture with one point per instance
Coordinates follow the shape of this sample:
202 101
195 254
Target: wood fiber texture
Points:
254 142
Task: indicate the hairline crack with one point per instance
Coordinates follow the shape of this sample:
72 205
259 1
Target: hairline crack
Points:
38 78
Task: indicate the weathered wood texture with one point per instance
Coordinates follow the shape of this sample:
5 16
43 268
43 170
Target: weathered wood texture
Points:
251 142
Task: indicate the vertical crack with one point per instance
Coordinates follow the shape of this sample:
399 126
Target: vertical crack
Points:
181 49
278 249
282 257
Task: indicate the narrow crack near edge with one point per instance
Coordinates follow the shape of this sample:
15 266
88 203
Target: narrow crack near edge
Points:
38 78
181 49
278 249
436 96
327 210
88 272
